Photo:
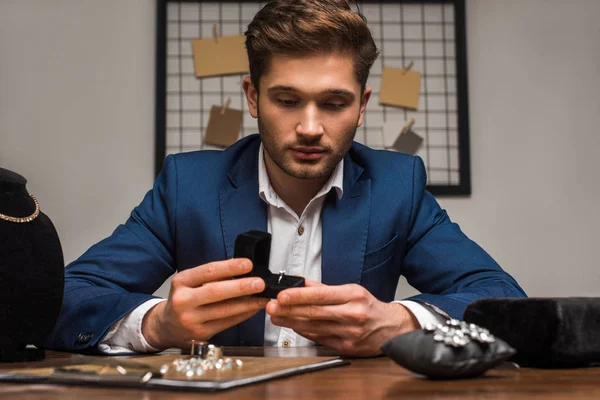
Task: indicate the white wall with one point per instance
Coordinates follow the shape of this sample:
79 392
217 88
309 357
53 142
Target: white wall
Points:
76 118
534 86
76 107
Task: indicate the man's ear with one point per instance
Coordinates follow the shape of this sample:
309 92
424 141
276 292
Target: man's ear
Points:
251 96
363 104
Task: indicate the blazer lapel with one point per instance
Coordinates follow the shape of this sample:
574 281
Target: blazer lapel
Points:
242 210
345 228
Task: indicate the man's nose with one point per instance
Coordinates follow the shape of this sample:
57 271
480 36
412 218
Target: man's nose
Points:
310 123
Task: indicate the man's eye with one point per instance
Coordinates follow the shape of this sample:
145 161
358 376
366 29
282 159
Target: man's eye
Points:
287 103
335 106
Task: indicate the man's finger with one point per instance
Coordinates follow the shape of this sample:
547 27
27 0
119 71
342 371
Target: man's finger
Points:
214 292
316 338
316 295
326 312
214 271
231 308
220 325
323 328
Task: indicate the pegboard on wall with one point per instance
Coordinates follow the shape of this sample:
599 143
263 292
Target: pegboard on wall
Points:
429 33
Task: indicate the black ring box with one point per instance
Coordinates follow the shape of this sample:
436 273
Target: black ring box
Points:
256 246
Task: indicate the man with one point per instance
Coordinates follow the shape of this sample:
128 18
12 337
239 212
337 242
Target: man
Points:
349 219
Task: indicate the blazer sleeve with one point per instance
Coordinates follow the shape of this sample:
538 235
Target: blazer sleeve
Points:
119 273
448 268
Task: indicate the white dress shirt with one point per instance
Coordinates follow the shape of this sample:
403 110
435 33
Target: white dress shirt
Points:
296 245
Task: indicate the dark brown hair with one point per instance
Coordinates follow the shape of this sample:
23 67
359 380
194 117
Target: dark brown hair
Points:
284 27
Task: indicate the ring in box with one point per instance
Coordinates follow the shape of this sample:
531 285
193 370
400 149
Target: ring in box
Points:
256 246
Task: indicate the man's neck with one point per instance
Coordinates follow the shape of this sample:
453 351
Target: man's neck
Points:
295 192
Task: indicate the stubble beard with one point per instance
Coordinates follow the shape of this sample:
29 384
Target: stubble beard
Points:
277 152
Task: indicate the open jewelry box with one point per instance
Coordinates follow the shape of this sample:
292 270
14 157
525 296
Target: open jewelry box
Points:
256 246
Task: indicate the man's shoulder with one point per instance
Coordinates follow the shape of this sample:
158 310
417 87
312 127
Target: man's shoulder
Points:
393 175
378 162
216 161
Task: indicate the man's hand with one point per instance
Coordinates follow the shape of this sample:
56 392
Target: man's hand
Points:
203 301
346 318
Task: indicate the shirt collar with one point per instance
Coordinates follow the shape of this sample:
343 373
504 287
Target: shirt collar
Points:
268 194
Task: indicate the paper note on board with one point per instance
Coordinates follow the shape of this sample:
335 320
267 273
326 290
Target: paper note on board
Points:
408 142
224 125
223 55
400 87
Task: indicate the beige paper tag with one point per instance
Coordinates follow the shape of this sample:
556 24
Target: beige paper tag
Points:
223 55
223 128
408 142
400 87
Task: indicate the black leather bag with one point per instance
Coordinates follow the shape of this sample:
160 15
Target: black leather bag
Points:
545 332
442 353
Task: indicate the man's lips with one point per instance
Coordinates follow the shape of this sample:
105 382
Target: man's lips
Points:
308 153
309 149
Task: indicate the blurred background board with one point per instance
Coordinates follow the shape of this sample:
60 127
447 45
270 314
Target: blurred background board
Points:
431 34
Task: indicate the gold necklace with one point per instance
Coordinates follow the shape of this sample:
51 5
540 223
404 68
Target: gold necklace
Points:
22 220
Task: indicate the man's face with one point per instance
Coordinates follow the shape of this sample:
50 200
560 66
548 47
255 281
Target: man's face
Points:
308 111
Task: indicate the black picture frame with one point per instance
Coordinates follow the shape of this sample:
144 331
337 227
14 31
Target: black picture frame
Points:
463 188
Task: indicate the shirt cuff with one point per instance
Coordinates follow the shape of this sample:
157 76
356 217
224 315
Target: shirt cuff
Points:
422 314
125 336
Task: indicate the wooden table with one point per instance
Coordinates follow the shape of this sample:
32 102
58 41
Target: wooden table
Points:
368 379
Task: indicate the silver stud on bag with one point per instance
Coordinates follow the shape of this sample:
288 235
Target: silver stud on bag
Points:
457 333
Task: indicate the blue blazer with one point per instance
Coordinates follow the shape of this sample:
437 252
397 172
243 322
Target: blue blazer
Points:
385 225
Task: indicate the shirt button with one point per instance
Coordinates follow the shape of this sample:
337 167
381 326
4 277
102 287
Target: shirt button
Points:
286 343
300 230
